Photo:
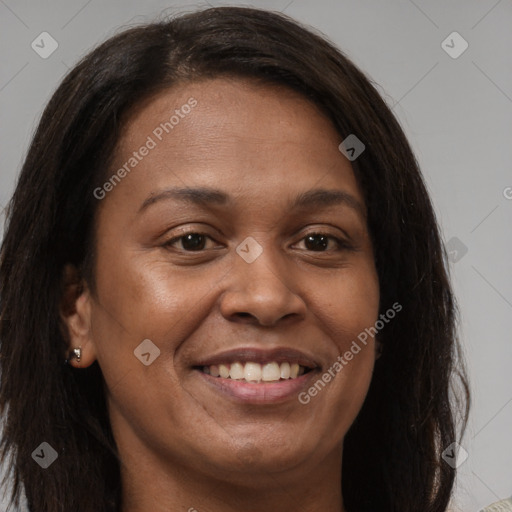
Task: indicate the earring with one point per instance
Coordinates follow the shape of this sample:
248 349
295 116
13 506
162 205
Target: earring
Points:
77 353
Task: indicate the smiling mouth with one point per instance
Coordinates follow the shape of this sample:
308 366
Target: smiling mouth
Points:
256 372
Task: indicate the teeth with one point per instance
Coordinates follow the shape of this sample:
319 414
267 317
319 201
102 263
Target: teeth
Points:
223 371
252 372
255 372
271 372
236 371
285 370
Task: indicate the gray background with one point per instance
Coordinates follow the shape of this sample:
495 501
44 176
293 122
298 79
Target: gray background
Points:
457 113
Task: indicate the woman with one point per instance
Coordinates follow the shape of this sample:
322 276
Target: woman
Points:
221 228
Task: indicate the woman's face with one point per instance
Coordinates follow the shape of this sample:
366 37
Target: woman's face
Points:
263 281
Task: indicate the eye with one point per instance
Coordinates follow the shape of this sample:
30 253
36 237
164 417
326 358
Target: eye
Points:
192 241
318 242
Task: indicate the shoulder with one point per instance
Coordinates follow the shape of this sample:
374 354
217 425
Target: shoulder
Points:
499 506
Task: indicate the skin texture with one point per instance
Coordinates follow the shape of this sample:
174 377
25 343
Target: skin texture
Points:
184 445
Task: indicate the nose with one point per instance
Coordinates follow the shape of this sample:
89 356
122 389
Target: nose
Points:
263 292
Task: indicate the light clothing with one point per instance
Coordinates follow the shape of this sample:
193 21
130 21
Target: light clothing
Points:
499 506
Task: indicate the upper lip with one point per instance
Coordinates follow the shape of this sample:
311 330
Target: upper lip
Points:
261 356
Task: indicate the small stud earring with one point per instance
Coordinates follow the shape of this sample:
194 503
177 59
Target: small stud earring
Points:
77 353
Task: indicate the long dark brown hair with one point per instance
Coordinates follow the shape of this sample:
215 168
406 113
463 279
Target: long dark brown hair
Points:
418 400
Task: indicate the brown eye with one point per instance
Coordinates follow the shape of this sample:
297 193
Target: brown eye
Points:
190 241
316 242
319 242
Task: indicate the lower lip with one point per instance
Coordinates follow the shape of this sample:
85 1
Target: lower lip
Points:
260 392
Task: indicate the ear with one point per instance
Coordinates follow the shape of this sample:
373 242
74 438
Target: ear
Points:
75 315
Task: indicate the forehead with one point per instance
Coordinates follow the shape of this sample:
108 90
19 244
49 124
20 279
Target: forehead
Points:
238 135
233 107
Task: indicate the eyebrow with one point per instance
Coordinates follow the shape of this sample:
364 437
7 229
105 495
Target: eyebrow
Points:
311 199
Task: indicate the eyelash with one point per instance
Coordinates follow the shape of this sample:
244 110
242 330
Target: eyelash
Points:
342 244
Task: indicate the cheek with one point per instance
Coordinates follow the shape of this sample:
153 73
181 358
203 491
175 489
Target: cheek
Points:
145 300
148 298
346 312
138 302
348 304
